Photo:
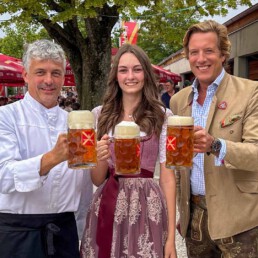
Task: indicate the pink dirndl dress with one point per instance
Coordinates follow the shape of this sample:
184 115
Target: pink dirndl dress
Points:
139 218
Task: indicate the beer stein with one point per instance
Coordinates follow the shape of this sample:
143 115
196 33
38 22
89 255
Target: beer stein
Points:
81 140
127 148
179 144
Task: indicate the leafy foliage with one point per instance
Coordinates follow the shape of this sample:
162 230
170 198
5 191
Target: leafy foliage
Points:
12 44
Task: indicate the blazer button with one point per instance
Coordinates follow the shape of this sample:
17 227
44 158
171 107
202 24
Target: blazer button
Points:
231 131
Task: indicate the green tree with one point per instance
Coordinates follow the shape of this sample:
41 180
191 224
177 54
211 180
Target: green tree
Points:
12 44
83 28
165 30
163 26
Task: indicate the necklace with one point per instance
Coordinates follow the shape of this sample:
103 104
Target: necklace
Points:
130 117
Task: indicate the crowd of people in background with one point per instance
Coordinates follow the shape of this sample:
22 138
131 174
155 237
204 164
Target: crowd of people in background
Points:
7 100
68 100
69 103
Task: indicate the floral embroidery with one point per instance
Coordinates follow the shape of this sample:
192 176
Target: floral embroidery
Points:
131 182
113 246
164 237
145 246
97 204
125 251
154 207
135 208
87 248
121 207
141 181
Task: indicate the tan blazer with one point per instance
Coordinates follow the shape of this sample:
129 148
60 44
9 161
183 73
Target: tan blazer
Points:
231 189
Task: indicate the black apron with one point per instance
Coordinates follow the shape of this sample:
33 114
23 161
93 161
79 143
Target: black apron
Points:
38 236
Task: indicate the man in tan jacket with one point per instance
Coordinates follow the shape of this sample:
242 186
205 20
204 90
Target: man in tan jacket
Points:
218 197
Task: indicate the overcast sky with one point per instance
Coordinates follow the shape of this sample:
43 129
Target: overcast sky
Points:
2 18
219 19
232 13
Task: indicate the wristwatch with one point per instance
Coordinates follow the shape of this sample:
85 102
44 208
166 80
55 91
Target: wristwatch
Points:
216 146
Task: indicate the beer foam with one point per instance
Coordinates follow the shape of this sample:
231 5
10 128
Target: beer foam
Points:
180 120
80 119
127 130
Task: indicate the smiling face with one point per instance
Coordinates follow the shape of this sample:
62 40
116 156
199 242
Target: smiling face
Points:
45 79
130 74
205 58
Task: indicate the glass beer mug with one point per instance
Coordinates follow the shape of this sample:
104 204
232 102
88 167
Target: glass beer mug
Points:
179 144
127 148
81 140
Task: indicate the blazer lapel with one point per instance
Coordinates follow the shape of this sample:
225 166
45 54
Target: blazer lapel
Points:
187 108
211 112
217 97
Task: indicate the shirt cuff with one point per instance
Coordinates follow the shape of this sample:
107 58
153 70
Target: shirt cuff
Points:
26 175
219 161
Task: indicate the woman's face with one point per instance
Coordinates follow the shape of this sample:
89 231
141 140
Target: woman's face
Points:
130 74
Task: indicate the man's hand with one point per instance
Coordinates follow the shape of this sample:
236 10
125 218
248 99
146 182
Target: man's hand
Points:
202 140
57 155
60 151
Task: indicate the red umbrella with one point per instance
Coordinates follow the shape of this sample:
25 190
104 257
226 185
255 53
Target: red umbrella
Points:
10 71
166 75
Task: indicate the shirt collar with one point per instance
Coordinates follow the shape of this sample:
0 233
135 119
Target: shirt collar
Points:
216 83
34 104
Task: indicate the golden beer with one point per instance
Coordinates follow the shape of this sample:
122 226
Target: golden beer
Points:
179 144
81 140
127 148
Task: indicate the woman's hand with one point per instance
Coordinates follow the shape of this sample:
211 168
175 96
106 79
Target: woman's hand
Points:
170 250
99 174
103 152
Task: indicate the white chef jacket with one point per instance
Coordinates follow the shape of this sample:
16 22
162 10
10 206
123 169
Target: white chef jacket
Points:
27 131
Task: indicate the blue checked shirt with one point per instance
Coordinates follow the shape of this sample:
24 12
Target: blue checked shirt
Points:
200 115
